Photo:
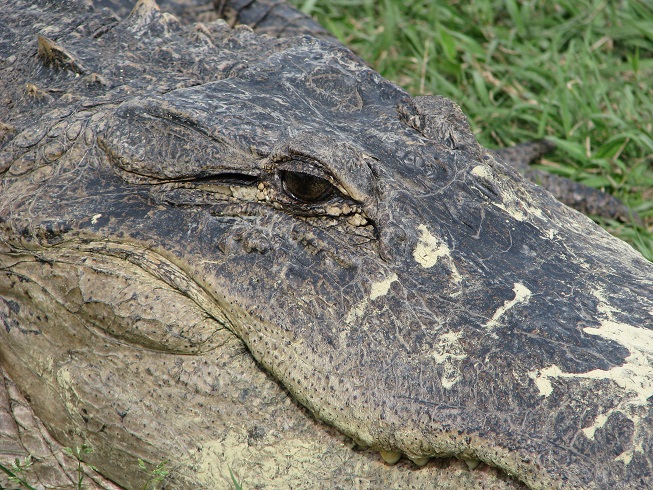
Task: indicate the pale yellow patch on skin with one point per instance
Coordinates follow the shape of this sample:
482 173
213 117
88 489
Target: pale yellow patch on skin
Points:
377 290
356 312
429 250
598 423
95 218
541 379
510 201
627 456
522 295
482 171
514 212
449 352
635 376
381 288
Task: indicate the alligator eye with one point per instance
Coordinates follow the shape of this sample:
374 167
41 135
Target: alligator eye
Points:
305 187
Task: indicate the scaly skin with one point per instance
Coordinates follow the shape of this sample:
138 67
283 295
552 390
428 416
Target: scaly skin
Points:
203 231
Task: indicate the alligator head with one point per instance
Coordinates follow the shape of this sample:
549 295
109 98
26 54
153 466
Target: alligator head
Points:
182 191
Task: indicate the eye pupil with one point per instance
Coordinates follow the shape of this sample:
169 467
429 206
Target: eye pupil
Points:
305 187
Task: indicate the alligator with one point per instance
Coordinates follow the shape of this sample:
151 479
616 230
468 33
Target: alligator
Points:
250 254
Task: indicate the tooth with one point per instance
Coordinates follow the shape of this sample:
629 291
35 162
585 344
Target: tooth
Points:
390 457
420 461
472 464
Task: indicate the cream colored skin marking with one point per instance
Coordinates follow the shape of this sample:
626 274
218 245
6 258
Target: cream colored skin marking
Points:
449 353
635 376
511 204
482 171
429 250
381 288
522 295
378 289
95 218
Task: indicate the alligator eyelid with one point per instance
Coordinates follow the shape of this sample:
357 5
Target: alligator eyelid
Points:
302 164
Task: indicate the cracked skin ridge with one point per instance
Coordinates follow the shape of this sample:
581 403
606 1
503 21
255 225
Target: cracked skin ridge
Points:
168 294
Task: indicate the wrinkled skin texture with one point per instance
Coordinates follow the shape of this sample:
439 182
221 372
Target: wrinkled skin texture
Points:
165 294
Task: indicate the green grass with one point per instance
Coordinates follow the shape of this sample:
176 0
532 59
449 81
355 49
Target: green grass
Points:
578 72
20 472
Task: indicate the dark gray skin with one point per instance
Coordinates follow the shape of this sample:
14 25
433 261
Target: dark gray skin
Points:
200 225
